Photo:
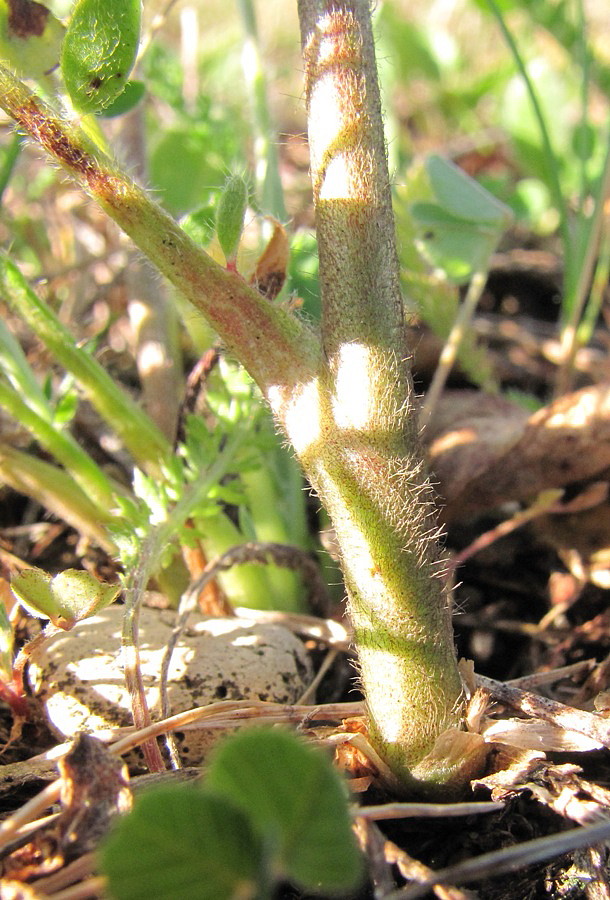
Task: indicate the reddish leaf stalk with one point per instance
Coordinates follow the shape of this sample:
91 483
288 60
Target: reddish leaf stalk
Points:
278 350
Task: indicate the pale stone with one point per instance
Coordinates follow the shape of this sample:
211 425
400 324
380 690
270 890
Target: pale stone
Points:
78 675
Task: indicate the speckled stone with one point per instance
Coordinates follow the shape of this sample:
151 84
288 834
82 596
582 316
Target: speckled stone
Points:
78 675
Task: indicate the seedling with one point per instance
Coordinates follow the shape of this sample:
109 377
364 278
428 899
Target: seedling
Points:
259 830
344 397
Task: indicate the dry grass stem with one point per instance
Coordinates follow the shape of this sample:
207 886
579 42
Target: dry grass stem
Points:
424 810
593 726
27 813
542 679
509 859
88 890
62 884
310 692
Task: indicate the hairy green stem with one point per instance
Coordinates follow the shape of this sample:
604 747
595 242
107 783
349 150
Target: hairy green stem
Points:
364 456
277 349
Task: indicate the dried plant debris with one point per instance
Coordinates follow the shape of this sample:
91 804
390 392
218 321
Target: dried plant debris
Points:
487 451
94 787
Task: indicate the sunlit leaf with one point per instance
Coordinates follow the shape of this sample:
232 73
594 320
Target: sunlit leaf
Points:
460 195
180 842
99 51
460 228
66 598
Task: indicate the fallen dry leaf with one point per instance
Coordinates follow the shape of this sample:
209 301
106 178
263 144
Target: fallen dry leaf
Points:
485 451
270 274
95 786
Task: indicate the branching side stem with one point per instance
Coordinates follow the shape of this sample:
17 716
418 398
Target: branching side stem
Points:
278 350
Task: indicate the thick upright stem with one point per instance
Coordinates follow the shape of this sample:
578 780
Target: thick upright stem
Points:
365 459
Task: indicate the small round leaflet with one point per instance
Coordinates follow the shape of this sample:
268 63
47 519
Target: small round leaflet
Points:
65 598
99 51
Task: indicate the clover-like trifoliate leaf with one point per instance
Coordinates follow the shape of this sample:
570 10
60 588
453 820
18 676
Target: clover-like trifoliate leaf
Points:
298 804
461 227
180 842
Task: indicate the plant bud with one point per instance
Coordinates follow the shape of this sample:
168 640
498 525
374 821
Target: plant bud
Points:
230 217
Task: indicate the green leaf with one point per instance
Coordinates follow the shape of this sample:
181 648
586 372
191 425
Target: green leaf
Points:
66 598
99 51
461 228
463 197
199 224
180 842
298 803
457 246
30 37
184 162
125 102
